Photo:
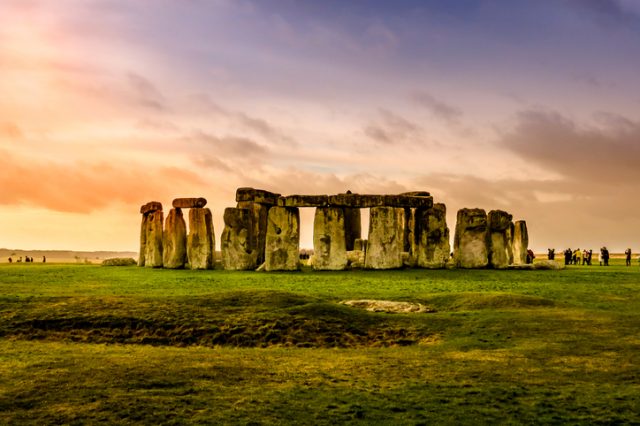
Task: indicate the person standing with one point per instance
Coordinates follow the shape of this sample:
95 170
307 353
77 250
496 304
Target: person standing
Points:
627 253
605 256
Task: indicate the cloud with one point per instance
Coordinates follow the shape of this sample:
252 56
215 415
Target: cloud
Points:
86 187
559 213
147 94
609 13
608 154
10 131
436 107
239 149
393 129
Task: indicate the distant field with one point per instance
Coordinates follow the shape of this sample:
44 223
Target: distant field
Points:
83 344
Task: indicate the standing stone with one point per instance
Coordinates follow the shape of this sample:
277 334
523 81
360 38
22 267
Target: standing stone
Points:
143 240
470 240
329 244
259 216
520 242
432 237
238 253
153 243
499 239
200 242
282 246
386 238
174 241
352 226
410 247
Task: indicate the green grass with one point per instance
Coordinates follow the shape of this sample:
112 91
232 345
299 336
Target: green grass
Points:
82 344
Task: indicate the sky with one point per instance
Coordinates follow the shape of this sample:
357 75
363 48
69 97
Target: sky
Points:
532 107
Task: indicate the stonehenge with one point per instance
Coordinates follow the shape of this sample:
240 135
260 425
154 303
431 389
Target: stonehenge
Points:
262 232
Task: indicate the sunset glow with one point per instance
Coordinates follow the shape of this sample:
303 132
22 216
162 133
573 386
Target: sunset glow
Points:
529 107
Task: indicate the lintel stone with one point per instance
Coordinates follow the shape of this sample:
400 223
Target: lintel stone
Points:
189 203
304 201
257 196
369 200
151 206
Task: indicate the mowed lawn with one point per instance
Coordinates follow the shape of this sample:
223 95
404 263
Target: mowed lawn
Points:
85 344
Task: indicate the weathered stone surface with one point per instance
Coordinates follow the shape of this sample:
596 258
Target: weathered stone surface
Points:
238 251
283 239
304 201
386 238
368 200
432 237
189 203
150 207
174 242
355 259
352 227
416 194
153 245
260 214
539 265
201 240
143 240
329 244
257 196
520 242
389 306
499 239
359 244
409 242
470 240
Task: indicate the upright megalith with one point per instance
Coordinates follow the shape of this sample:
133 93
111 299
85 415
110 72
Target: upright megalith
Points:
174 242
520 242
432 237
143 240
470 240
499 239
283 239
409 239
352 226
151 235
201 239
153 245
386 238
258 202
329 243
238 252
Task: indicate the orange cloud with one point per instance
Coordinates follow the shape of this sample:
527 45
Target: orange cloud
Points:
86 187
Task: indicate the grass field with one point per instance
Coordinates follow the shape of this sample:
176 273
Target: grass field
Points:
83 344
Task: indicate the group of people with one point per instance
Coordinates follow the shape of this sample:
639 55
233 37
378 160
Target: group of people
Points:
584 257
578 257
27 259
